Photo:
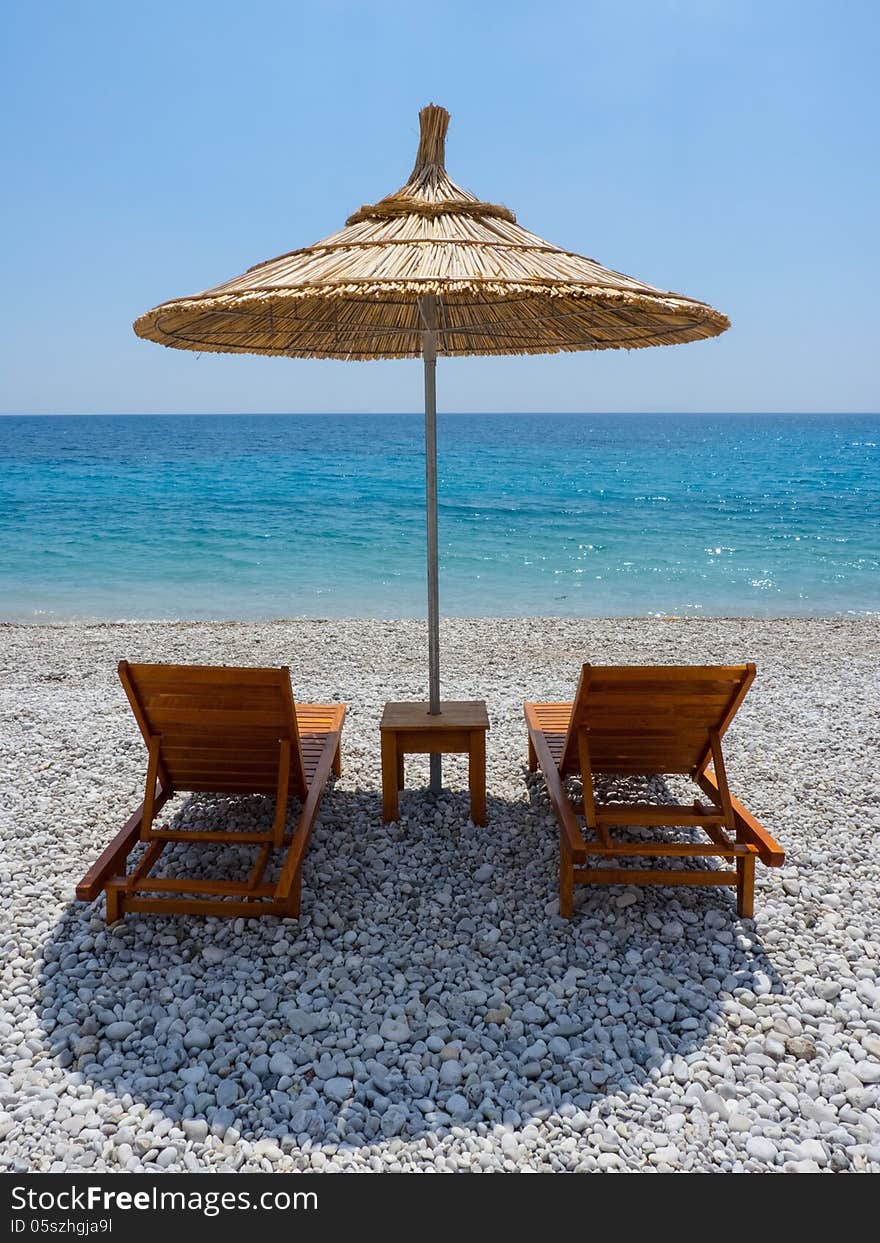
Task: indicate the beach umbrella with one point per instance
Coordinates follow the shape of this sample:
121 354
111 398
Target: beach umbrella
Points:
428 271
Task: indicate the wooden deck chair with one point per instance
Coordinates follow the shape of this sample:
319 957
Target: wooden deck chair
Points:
648 720
225 731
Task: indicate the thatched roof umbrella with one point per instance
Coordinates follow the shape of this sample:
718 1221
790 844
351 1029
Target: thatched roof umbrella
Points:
429 270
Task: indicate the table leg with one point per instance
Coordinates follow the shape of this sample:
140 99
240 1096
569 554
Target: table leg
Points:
390 771
400 781
477 775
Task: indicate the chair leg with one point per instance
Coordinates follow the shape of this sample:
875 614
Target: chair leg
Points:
745 886
566 880
533 757
295 899
113 911
337 761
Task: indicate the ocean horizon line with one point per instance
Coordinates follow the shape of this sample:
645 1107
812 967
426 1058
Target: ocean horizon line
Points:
419 414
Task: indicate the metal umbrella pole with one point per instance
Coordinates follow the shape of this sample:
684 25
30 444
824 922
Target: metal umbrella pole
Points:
429 356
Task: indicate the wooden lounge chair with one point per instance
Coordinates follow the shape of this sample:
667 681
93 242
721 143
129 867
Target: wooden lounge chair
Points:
648 720
224 731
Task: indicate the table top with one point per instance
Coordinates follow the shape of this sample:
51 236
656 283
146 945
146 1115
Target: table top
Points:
453 714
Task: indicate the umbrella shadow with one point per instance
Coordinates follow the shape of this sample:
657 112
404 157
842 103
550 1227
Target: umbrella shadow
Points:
429 984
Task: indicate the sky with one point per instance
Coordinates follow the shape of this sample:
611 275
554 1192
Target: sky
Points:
725 149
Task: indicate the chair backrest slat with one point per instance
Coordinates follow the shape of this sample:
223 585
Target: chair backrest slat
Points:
220 728
655 718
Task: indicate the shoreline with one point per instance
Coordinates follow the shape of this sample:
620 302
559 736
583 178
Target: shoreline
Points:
856 616
653 1030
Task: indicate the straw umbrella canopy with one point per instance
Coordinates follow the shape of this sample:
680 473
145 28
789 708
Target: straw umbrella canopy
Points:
429 270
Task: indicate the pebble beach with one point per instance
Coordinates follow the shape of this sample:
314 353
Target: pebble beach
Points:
430 1010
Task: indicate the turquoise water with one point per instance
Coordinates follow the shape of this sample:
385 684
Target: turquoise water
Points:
318 515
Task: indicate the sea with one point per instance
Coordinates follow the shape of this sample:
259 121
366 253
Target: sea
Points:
268 516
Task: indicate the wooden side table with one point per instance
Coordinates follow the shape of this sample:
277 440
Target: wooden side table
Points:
457 728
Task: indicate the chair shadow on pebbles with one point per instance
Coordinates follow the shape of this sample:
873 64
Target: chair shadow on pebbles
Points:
429 989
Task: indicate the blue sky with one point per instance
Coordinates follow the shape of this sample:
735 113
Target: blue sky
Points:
723 148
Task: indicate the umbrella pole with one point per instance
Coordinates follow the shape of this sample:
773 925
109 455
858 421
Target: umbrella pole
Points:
429 356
